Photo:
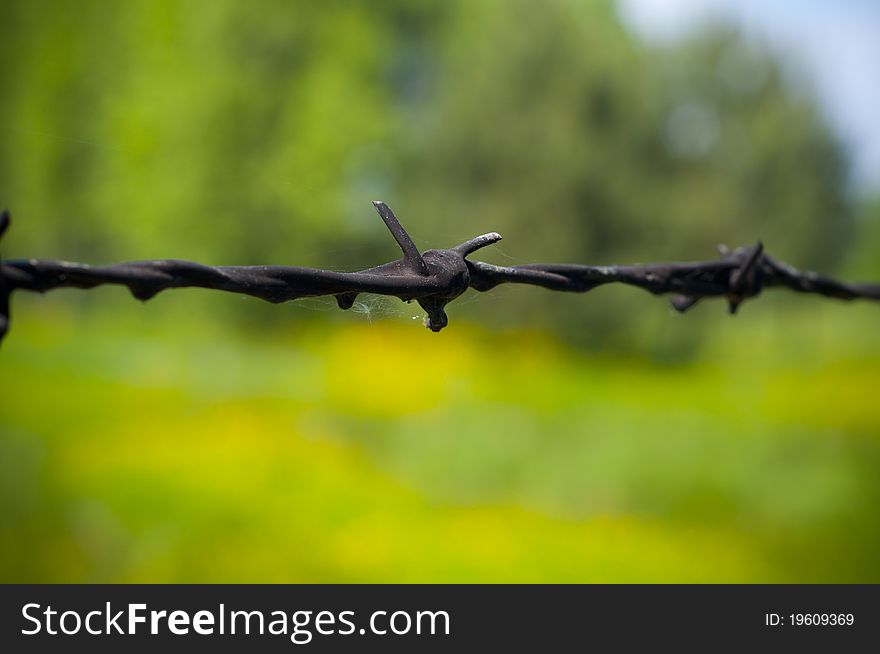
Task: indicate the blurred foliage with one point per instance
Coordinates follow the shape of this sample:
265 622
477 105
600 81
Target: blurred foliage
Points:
580 145
226 133
152 452
863 261
252 442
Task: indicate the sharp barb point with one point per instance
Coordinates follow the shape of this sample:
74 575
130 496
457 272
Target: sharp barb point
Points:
471 246
411 255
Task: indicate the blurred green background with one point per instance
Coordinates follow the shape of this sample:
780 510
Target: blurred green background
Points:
203 437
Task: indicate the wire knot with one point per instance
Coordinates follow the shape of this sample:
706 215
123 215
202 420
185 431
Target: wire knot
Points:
433 278
747 280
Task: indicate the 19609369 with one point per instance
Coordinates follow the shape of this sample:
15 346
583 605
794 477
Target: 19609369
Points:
809 619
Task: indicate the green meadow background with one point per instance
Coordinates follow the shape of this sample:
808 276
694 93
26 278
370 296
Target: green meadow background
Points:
206 437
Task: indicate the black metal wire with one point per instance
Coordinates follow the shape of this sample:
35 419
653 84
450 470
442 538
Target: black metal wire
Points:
433 278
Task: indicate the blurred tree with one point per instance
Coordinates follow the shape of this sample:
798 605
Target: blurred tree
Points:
215 130
227 132
863 261
550 124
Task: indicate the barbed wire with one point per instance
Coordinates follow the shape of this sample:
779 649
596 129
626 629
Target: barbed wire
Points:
432 278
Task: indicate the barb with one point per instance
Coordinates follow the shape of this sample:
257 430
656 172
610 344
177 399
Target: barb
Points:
432 278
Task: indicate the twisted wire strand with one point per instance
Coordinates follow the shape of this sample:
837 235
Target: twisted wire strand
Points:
433 278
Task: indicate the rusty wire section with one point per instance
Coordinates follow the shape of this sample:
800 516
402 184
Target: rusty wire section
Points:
433 278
